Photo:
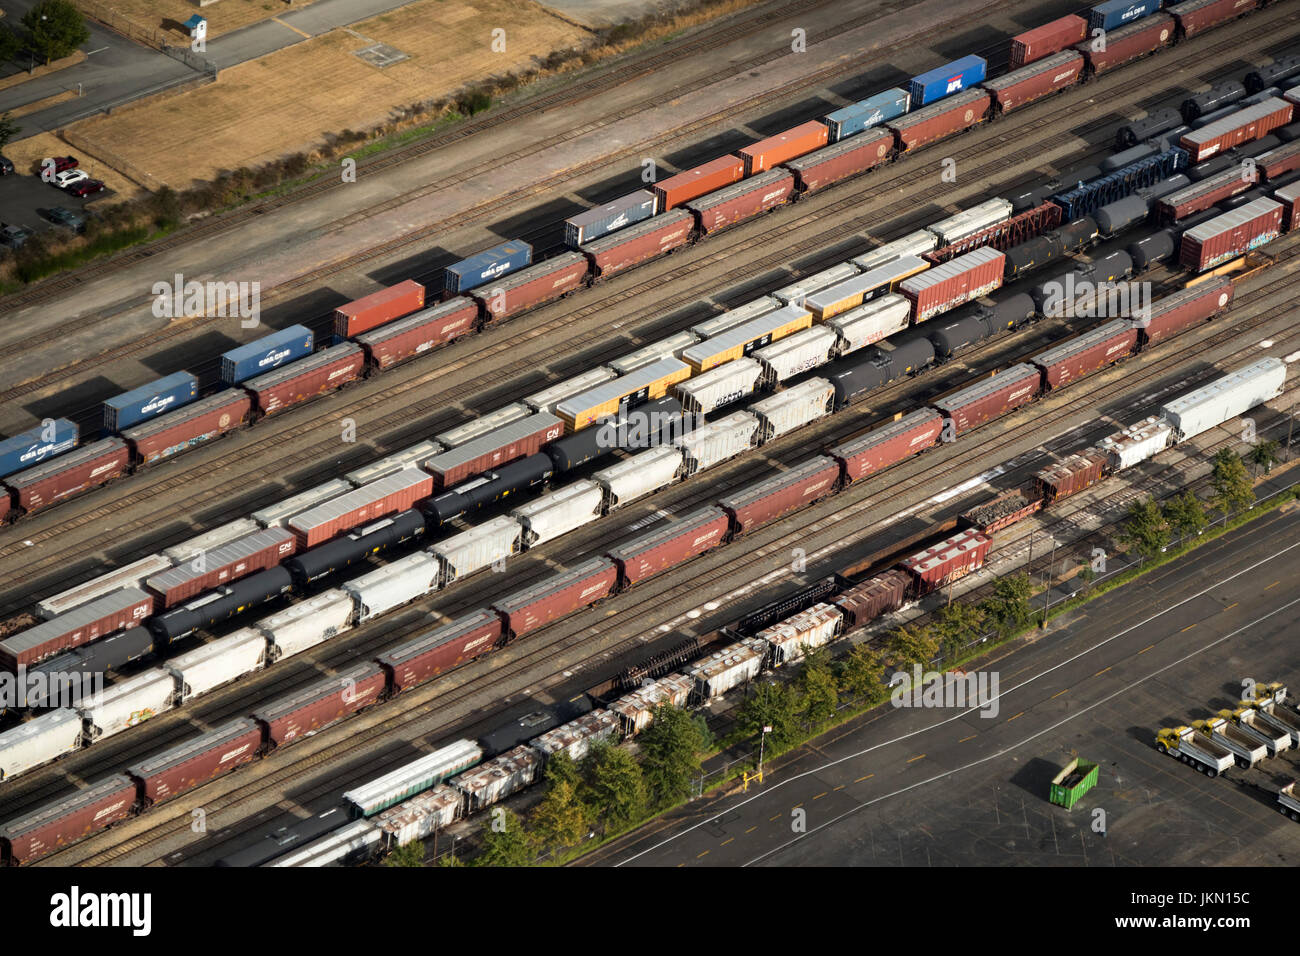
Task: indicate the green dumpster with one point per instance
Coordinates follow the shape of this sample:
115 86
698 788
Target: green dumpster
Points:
1073 782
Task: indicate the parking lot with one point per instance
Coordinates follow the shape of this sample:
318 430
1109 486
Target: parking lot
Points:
24 198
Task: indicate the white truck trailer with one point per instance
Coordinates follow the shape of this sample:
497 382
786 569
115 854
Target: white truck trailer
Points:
1196 750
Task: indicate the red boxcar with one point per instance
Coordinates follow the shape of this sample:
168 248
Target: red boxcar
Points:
875 596
1015 89
518 439
306 378
692 183
767 500
197 761
1194 16
115 611
1243 126
1001 512
322 703
1289 197
186 427
1279 161
440 650
5 503
950 115
373 500
888 445
991 398
1070 475
70 474
398 341
775 150
640 242
229 562
557 596
952 558
731 205
1234 233
534 286
1127 43
66 821
1202 195
679 541
1086 353
1048 39
377 308
1174 313
955 282
841 160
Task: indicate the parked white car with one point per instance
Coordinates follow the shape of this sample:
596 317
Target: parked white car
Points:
69 176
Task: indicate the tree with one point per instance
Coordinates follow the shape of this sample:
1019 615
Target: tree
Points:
1145 529
1264 455
613 787
55 28
8 130
956 626
504 841
561 819
672 751
1185 514
862 673
408 854
910 644
775 706
560 767
1231 484
1007 608
819 697
9 44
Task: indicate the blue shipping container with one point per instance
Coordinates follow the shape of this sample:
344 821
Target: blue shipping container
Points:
947 79
266 353
867 113
1116 13
149 400
485 266
601 221
35 445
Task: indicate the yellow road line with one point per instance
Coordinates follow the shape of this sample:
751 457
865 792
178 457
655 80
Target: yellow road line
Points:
1059 693
1021 714
1187 628
867 777
291 27
820 795
1232 605
1102 671
705 853
964 739
727 840
916 758
751 829
1272 586
1147 648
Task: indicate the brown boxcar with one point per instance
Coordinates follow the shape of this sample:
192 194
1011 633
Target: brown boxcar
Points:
1289 197
443 648
1001 512
692 183
377 308
767 500
531 287
875 596
69 474
66 821
306 378
1234 233
398 341
775 150
6 503
1279 161
322 703
950 115
374 500
993 397
1201 195
841 160
1015 89
1194 16
734 204
955 282
1127 43
951 559
889 444
1070 475
115 611
1048 39
1086 353
1174 313
678 541
558 595
518 439
197 761
1242 126
229 562
186 427
640 242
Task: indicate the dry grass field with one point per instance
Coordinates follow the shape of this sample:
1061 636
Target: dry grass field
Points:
289 101
227 15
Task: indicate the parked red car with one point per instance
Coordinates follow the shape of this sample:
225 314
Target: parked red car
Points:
87 187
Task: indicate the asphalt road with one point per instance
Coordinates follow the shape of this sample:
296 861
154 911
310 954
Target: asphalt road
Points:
924 787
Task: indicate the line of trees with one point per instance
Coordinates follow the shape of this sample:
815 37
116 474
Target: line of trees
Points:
52 29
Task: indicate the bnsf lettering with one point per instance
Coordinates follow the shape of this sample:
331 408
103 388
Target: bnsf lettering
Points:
234 754
1024 391
473 644
107 810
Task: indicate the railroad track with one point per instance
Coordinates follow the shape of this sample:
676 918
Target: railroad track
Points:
1264 25
266 447
851 506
